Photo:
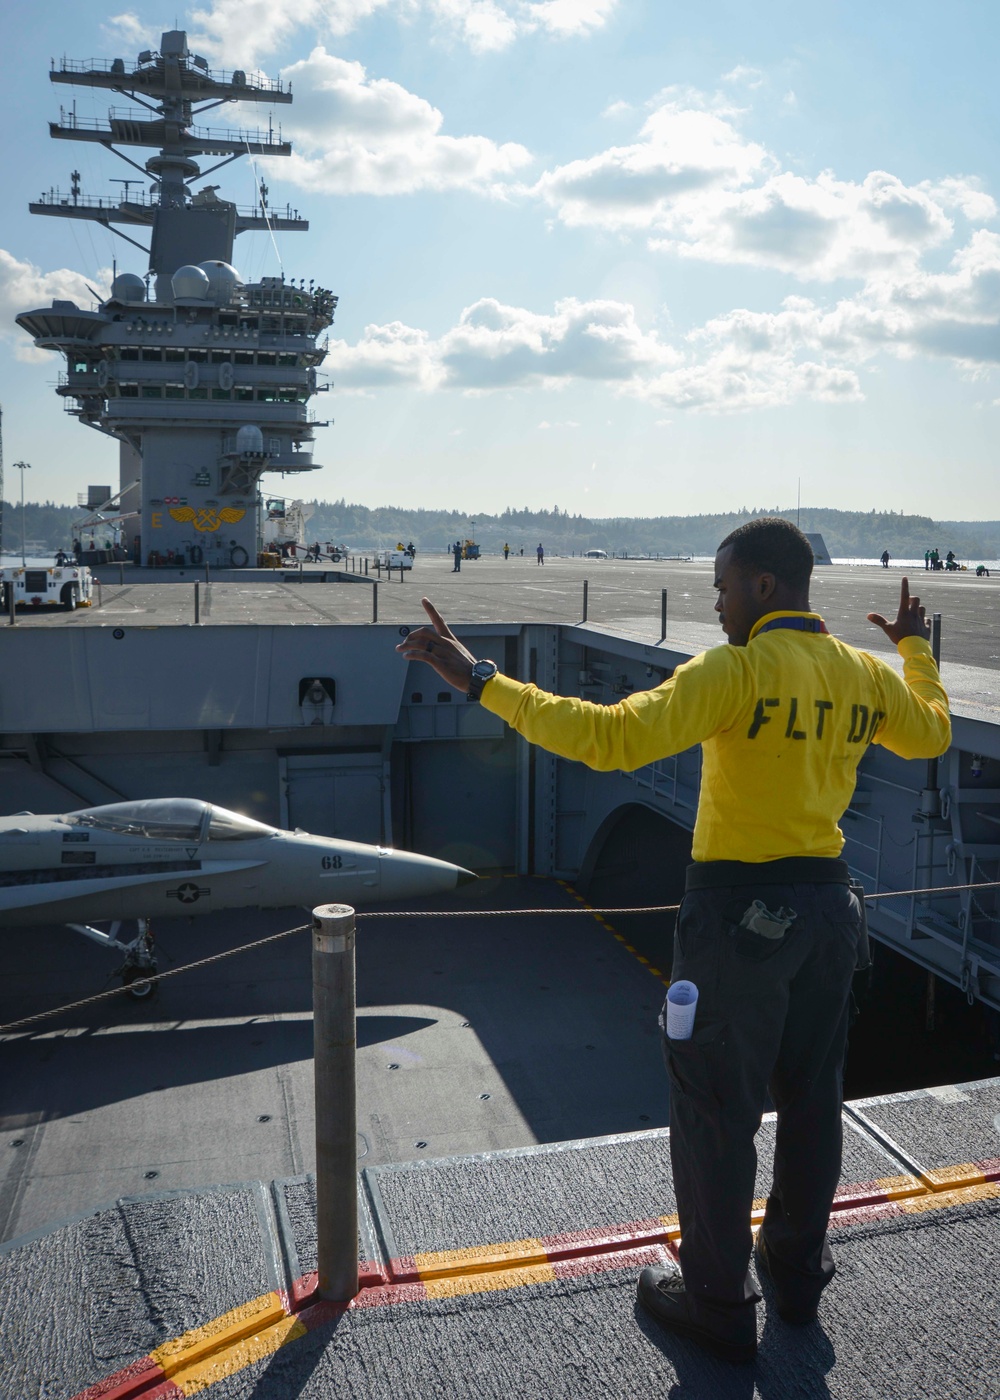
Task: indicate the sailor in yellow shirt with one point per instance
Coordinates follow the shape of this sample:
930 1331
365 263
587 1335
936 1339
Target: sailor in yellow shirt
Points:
769 928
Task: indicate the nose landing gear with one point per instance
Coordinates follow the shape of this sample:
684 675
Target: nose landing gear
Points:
138 971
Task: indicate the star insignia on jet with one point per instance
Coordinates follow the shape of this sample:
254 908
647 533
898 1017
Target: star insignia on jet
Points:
188 893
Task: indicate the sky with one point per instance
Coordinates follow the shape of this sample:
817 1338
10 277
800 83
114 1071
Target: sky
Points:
627 257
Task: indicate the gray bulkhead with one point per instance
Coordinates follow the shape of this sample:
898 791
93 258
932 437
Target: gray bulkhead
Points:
323 728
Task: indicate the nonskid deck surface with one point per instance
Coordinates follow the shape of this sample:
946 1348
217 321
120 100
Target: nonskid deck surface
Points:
489 590
212 1292
477 1265
473 1034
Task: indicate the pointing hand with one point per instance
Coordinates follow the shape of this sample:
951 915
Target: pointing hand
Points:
910 621
438 646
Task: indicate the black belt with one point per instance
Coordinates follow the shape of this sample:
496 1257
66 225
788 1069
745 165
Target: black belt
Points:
792 870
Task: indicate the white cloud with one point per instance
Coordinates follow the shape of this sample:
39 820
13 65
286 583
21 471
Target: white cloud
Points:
25 287
566 17
953 315
739 361
744 76
964 194
495 347
246 31
683 154
728 382
355 134
818 229
699 188
385 355
128 29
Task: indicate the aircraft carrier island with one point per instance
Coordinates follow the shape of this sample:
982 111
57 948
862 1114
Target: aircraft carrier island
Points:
157 1153
204 380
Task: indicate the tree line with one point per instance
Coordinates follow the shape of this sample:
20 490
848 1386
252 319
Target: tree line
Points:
847 534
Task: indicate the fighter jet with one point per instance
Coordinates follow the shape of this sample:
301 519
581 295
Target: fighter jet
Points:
179 855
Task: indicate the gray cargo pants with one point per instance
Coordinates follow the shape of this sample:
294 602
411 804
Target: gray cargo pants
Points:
772 1017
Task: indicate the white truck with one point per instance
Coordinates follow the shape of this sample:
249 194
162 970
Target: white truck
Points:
65 585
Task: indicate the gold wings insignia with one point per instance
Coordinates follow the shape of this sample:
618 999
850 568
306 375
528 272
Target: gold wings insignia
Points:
182 514
231 515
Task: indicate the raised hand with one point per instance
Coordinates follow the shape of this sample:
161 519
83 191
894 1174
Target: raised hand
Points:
438 646
910 620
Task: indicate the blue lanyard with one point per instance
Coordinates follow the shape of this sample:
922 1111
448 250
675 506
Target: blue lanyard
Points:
796 624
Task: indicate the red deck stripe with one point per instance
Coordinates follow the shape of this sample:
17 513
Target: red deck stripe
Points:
143 1378
570 1255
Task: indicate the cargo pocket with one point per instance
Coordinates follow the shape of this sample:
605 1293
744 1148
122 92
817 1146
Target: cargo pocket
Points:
693 1065
743 922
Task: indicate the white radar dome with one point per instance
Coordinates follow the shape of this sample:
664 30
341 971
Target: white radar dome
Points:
128 286
249 438
190 283
223 280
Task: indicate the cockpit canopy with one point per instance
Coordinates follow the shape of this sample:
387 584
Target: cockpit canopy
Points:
171 819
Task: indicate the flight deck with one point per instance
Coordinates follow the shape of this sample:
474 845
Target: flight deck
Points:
513 1109
513 1178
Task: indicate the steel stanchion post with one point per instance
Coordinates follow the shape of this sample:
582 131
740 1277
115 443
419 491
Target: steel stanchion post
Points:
931 799
100 594
586 597
663 614
206 570
197 603
121 574
334 1038
11 604
375 601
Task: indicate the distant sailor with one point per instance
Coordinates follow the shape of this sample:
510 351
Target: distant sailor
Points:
506 552
540 553
769 929
456 550
886 556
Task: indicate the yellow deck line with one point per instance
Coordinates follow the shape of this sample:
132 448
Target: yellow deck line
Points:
948 1178
943 1200
494 1281
198 1376
222 1332
228 1344
447 1263
896 1187
660 976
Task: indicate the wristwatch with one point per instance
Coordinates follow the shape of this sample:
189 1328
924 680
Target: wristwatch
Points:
482 672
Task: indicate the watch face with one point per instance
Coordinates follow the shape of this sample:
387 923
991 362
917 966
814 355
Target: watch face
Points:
484 670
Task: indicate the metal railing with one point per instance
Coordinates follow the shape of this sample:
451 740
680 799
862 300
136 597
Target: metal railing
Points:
251 81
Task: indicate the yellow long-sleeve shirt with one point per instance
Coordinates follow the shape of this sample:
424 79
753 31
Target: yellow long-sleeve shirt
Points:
783 723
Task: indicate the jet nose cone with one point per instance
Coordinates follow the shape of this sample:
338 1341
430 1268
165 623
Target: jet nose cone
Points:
404 873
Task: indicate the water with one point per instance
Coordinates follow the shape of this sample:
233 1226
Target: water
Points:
916 565
12 559
864 561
